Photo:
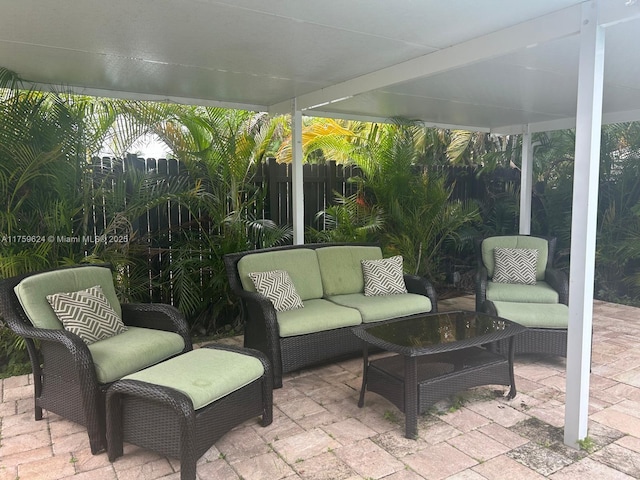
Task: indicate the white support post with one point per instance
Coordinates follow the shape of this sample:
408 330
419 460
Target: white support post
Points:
583 224
526 182
297 188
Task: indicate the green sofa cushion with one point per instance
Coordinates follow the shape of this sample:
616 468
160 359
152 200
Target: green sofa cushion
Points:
317 315
535 315
515 241
204 375
32 291
301 265
541 292
133 350
384 307
341 269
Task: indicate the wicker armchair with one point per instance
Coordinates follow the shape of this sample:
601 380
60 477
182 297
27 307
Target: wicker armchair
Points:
541 307
65 378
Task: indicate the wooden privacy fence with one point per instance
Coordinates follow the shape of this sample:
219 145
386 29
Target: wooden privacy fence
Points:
321 182
160 229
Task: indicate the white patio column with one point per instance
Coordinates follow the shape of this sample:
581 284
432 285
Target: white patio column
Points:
526 182
583 223
297 188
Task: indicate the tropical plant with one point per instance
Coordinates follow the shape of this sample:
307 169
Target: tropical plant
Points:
420 216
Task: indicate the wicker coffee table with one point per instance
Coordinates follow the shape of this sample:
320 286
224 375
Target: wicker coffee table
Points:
439 354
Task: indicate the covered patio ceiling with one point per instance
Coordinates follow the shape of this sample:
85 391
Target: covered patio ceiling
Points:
504 66
484 65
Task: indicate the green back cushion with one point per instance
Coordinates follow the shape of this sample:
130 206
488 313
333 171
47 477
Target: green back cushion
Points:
341 268
32 291
515 241
301 265
204 375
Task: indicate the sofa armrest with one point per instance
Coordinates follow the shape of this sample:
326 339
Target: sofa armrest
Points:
157 316
482 278
422 286
559 281
261 329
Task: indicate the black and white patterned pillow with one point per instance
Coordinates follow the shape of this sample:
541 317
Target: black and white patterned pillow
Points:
383 277
277 286
515 265
87 313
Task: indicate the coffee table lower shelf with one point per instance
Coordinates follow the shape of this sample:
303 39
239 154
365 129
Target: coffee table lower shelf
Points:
414 384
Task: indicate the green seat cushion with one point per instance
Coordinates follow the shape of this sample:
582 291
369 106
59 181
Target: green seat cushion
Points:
541 292
535 315
341 268
316 316
133 350
32 291
301 265
204 375
384 307
515 241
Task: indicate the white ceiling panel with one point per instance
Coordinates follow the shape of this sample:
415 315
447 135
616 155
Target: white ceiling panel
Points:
487 64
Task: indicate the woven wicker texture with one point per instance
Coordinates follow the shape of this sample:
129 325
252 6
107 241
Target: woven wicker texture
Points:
66 384
162 419
288 354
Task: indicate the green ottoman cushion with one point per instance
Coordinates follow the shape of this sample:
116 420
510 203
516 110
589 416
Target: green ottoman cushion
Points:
204 375
535 315
384 307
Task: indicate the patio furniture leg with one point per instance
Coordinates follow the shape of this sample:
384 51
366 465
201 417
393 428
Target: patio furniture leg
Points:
365 371
410 397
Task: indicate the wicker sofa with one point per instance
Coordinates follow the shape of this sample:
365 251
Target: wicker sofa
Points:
330 282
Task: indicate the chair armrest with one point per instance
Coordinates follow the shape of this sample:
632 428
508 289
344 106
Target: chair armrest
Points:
559 281
482 278
422 286
157 316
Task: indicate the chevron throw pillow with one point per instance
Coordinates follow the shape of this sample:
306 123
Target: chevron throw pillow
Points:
87 313
277 286
383 277
515 265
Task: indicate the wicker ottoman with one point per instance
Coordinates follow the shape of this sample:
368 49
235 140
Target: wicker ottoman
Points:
546 325
181 407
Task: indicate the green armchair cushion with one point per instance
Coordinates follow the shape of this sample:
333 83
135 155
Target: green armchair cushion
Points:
515 241
341 267
384 307
541 292
32 291
534 315
300 264
204 375
133 350
317 315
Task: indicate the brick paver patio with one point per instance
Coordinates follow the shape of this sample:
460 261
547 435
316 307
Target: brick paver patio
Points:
319 433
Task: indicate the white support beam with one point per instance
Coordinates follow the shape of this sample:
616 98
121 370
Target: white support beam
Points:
583 224
526 182
543 29
297 188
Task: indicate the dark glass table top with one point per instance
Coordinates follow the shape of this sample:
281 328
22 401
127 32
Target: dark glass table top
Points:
437 332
